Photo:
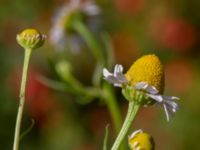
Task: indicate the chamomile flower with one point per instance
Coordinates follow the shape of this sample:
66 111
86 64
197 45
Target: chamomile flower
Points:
61 33
145 77
140 140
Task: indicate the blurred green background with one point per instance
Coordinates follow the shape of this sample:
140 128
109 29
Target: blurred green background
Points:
168 28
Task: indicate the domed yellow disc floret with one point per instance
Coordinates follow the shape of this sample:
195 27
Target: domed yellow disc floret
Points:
141 141
147 69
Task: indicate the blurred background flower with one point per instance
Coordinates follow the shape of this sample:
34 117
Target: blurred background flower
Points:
136 27
62 33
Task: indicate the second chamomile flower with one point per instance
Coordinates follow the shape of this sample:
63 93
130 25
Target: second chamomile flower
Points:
145 77
62 34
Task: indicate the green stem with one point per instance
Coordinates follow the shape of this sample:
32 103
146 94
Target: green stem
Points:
94 46
112 105
22 99
132 111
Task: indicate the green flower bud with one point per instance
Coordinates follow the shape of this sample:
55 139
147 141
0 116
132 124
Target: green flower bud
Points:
63 68
31 39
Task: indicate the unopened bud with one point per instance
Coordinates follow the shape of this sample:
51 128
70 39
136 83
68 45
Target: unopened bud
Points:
140 140
31 39
63 68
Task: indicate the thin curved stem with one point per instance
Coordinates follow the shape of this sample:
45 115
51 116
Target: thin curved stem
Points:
132 111
95 48
22 99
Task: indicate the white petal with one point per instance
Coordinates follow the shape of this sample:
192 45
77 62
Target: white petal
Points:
151 89
141 86
106 73
166 111
112 79
117 84
121 78
171 103
134 133
158 98
170 97
118 69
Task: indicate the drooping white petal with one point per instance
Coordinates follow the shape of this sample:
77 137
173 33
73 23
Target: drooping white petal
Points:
152 89
166 112
171 98
168 102
169 105
157 98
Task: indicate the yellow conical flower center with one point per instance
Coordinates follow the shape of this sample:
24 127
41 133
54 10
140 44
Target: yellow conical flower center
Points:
144 141
147 69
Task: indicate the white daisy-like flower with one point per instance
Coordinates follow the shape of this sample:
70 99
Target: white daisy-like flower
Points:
117 78
59 35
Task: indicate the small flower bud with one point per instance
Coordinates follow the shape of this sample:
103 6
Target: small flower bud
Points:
140 140
31 39
63 68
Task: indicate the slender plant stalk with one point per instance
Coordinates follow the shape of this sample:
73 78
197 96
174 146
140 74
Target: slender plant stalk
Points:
132 111
113 107
94 46
22 99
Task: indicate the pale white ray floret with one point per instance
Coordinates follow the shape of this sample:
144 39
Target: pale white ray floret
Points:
168 102
117 78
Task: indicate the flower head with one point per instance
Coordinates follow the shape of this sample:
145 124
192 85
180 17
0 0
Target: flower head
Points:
61 33
145 77
140 140
31 39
